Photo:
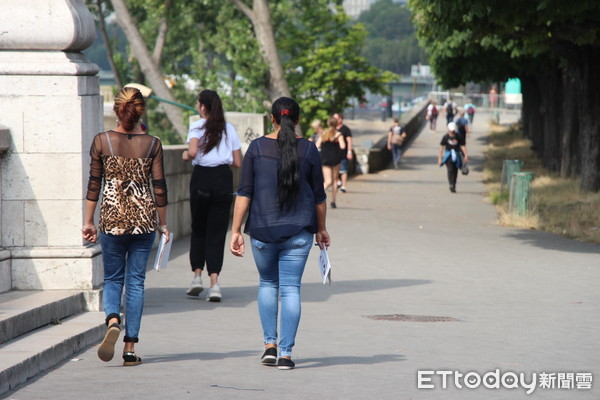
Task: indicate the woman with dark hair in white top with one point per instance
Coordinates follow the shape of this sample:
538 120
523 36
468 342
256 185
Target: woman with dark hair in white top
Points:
213 145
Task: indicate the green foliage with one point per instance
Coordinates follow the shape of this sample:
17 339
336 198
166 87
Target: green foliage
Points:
470 40
392 44
323 65
211 44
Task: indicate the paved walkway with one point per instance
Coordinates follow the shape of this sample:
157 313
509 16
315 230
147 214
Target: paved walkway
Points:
525 301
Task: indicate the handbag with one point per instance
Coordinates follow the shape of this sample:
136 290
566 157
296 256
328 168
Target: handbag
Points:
465 169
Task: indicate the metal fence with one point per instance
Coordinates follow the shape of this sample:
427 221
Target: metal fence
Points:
511 102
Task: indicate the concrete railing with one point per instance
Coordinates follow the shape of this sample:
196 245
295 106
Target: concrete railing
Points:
378 157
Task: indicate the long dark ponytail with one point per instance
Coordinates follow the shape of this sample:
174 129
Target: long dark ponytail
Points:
286 113
214 127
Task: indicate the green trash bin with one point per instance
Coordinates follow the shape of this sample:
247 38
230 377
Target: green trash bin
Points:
520 193
509 167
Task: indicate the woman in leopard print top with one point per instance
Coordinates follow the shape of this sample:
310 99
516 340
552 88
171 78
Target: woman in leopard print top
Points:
128 159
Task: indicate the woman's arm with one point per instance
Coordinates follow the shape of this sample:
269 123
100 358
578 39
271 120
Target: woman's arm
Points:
88 231
440 155
319 141
242 204
322 236
389 142
237 158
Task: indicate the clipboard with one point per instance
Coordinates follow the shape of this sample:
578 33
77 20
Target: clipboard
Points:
325 267
162 253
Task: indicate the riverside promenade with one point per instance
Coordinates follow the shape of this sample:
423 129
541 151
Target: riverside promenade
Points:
511 300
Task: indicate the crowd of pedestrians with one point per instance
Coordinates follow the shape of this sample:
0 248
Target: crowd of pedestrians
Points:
282 192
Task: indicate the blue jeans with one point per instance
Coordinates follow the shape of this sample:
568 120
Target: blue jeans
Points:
396 153
281 266
125 258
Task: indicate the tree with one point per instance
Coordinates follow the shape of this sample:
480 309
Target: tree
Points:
552 46
324 67
260 17
148 65
392 43
100 14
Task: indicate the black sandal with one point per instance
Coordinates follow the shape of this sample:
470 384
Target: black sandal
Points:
106 350
130 359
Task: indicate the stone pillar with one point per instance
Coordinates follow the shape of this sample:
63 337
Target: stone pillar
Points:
50 102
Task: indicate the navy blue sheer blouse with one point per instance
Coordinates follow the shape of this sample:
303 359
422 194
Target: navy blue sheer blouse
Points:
266 221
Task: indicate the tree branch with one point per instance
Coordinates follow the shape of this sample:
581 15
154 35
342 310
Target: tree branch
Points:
244 8
162 33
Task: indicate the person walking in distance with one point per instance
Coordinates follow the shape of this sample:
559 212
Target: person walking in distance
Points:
462 125
450 110
396 138
281 189
126 159
213 146
332 146
347 133
432 114
453 152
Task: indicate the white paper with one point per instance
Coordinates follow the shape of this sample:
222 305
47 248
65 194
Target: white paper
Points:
162 253
325 267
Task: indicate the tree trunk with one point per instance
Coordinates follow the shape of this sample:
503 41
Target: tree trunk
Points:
148 66
260 17
109 52
570 160
588 84
550 85
161 38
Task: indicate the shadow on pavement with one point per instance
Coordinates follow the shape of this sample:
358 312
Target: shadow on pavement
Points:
174 300
348 360
552 241
197 356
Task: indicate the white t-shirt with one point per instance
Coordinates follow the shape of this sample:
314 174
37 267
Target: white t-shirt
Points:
220 154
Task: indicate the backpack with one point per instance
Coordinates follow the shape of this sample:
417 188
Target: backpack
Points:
470 111
434 111
449 110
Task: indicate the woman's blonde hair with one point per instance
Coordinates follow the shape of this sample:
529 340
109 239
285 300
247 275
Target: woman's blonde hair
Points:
330 132
129 107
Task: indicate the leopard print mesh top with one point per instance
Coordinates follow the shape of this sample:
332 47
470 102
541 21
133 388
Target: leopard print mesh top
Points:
127 162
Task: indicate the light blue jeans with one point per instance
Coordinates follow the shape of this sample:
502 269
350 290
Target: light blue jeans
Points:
281 266
125 258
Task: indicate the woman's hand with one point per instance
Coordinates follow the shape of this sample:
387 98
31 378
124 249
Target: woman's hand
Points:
322 238
167 234
236 245
89 233
185 156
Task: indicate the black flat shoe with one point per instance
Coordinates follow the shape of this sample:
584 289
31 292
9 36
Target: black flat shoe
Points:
285 363
106 350
130 359
269 357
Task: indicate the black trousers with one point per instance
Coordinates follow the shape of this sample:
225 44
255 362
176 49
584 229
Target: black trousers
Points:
452 173
210 200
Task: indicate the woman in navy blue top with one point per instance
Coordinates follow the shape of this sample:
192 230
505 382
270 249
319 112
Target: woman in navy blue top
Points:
282 189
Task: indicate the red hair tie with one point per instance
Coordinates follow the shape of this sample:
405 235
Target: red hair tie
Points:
285 112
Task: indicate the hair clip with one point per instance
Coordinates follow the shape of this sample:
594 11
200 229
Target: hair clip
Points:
285 112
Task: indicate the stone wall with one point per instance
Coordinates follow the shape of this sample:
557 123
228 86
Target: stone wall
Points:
378 157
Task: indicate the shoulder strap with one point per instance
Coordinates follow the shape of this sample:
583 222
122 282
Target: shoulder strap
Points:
109 144
151 147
